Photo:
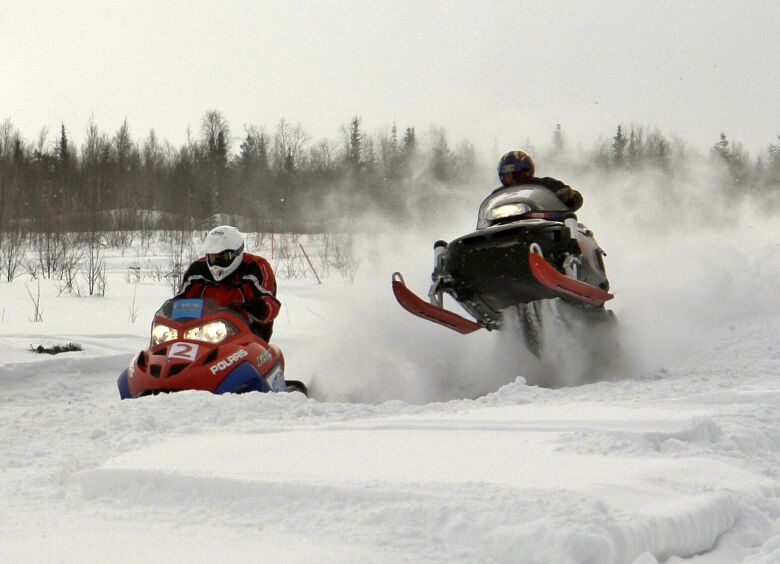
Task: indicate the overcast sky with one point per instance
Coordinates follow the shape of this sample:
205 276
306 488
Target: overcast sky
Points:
494 72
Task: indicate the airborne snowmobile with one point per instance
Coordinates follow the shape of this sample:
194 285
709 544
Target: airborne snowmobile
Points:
198 344
527 247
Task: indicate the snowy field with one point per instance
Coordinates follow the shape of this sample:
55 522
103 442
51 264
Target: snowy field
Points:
418 444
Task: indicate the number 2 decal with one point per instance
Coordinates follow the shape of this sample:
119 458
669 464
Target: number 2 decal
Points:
183 351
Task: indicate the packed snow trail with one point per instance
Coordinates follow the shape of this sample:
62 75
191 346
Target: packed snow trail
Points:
674 463
674 458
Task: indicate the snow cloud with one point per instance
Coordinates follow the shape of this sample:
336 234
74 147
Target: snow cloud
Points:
684 258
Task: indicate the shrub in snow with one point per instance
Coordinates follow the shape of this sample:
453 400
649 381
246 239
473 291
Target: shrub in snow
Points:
56 349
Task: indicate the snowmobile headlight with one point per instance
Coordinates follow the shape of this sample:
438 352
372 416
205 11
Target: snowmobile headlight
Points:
507 210
212 332
162 333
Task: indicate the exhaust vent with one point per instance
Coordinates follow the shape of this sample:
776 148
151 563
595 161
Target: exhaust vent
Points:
211 357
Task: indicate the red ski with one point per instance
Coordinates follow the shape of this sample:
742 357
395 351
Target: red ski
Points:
412 303
546 274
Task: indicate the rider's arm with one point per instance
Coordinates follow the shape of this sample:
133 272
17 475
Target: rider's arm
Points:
259 287
565 193
192 281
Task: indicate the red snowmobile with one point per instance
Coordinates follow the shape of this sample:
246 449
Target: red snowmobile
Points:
199 344
527 247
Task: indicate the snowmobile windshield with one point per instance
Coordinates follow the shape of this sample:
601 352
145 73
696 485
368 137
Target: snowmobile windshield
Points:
509 204
179 309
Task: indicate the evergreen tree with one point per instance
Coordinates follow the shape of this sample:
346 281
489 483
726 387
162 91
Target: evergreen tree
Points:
127 168
619 143
662 154
394 139
635 147
64 185
18 158
187 183
466 159
289 162
95 158
441 163
252 164
263 157
221 152
772 169
369 154
774 150
64 148
410 141
247 156
759 171
734 159
213 127
391 155
355 145
721 149
559 140
152 189
215 138
408 154
124 148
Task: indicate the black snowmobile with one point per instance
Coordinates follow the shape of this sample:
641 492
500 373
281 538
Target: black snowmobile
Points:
527 247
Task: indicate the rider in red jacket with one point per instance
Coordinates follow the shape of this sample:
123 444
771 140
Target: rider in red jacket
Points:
234 278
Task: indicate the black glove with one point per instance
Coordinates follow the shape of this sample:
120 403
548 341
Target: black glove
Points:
257 308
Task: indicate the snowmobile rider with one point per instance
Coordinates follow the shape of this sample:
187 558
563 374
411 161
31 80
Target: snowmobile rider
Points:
234 278
517 167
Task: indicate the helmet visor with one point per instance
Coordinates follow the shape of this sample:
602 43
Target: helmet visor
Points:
223 259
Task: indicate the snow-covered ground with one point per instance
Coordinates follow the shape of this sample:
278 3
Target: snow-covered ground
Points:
418 445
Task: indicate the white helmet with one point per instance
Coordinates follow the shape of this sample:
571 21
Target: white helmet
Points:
224 250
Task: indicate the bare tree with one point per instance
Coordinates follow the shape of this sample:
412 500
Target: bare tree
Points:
13 246
41 143
343 256
288 145
68 265
323 157
51 247
7 133
95 268
212 126
180 252
127 159
36 300
94 153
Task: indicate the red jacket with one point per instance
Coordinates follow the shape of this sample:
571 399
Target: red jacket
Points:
252 283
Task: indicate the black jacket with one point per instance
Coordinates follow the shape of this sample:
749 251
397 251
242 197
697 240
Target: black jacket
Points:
565 193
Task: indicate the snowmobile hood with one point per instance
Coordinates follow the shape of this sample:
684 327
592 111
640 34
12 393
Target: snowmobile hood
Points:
534 196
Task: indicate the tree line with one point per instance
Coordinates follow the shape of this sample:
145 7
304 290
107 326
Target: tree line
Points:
633 148
283 180
274 181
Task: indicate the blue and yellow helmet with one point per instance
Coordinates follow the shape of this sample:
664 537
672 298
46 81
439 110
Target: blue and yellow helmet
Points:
515 161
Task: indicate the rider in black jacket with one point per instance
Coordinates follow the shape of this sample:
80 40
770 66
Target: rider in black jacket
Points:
517 167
